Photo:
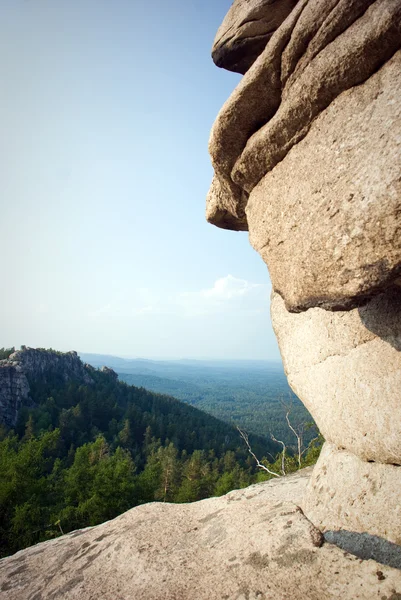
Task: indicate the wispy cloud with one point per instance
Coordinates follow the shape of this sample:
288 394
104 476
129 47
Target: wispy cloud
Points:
102 310
230 287
228 295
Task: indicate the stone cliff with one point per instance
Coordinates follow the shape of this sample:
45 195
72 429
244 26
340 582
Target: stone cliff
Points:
31 363
307 158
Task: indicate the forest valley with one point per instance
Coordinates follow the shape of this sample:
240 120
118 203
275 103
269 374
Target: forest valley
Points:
83 454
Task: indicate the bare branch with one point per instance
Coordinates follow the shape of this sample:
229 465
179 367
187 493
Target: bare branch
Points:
299 438
258 463
282 454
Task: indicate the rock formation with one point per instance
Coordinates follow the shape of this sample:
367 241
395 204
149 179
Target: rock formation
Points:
253 544
307 158
31 363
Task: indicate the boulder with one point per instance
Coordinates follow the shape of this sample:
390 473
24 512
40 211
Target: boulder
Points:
347 493
250 544
346 368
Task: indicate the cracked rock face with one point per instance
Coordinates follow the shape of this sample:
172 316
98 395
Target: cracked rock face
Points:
14 390
307 158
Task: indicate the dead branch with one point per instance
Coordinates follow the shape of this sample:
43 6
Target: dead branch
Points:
282 454
297 435
258 463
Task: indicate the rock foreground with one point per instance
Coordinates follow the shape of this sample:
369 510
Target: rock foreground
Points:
252 544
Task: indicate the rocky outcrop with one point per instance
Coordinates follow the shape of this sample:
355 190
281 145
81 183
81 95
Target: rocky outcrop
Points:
330 77
110 372
251 544
307 157
338 201
37 361
31 363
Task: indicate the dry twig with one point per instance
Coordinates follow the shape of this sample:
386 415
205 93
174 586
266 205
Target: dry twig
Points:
258 463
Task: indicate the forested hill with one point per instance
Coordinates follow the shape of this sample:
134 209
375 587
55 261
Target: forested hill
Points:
108 406
242 392
83 451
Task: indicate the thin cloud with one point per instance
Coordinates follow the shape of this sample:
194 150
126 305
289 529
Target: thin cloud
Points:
99 312
229 287
228 295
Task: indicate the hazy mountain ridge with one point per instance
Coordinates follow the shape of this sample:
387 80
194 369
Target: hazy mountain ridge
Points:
245 393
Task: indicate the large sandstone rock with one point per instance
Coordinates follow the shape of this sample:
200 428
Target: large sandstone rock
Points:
348 493
346 368
307 157
251 544
38 361
327 219
305 215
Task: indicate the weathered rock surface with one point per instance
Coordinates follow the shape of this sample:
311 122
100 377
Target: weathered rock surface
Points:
346 368
307 156
327 86
327 219
345 492
245 31
252 544
33 363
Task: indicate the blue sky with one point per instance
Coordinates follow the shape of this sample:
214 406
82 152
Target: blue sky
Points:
106 109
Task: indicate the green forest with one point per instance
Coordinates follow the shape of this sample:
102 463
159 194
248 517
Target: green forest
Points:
83 454
251 394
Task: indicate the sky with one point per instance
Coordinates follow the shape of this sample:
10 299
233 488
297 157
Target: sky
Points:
105 113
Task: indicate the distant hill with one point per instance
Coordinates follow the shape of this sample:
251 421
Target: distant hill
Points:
244 393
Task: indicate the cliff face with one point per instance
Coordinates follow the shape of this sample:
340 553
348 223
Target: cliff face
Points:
307 158
31 363
14 389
